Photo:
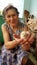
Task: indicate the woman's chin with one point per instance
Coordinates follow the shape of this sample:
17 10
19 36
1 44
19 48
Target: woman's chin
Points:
13 24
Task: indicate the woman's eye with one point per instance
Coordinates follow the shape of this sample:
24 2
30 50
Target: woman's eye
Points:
14 15
11 15
8 16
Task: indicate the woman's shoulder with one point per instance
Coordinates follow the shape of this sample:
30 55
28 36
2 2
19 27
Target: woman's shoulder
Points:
4 25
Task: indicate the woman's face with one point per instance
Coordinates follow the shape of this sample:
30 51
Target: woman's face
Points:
11 17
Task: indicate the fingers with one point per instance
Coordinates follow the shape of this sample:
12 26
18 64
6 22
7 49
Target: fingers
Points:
16 36
24 41
31 39
19 41
25 46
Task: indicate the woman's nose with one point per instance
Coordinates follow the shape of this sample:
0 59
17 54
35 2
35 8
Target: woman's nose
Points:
11 18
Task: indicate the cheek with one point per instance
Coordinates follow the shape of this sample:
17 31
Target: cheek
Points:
16 17
7 20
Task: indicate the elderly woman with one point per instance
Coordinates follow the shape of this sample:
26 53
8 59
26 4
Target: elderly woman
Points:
12 53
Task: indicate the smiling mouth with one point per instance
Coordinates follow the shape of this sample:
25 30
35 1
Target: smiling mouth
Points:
12 21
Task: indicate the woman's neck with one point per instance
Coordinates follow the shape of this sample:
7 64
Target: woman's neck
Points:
15 28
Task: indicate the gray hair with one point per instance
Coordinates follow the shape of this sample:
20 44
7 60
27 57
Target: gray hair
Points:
8 8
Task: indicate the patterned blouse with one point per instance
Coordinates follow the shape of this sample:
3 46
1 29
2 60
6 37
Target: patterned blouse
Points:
13 56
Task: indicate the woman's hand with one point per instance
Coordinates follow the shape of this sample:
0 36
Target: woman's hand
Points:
17 38
25 43
25 46
21 40
31 39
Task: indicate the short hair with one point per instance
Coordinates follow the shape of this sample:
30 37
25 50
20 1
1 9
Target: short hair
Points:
8 8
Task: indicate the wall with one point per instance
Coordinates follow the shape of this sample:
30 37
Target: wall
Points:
33 9
31 5
27 4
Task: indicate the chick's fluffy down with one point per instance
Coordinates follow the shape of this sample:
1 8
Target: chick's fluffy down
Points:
25 34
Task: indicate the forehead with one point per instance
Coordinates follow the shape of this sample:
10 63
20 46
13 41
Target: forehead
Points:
11 11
